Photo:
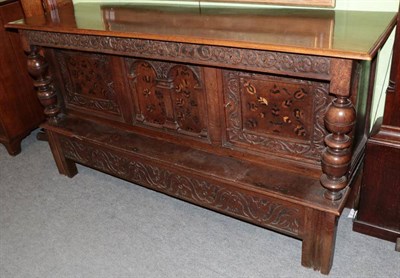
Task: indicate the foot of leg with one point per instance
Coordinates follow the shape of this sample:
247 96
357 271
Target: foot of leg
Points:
13 148
319 240
65 166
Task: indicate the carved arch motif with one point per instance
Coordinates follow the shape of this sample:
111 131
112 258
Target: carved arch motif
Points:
186 98
168 96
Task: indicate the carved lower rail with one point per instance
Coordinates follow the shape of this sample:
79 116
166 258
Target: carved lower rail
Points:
250 206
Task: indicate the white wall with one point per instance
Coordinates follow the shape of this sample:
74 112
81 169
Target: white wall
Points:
358 5
384 57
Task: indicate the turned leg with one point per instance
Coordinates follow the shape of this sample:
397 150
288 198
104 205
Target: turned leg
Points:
38 69
65 166
339 121
319 240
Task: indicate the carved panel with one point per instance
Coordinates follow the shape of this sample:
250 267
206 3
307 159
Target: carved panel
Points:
255 208
276 114
187 89
151 100
249 59
169 96
88 82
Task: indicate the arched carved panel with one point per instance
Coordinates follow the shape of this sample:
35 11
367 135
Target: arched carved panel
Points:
151 100
168 96
186 98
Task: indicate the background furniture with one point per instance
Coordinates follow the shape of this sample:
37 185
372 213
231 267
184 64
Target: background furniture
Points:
379 208
20 110
227 118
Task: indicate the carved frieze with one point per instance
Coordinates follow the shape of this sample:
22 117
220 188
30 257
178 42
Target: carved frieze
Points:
276 114
258 209
250 59
168 95
88 81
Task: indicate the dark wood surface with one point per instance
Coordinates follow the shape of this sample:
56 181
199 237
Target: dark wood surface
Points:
20 111
379 209
245 124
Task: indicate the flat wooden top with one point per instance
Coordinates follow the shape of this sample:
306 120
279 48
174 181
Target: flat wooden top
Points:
346 34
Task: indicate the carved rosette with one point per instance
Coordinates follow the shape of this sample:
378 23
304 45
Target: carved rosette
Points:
38 69
336 158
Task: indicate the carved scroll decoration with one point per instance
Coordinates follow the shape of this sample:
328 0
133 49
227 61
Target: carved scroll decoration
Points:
168 95
270 112
88 81
258 60
260 210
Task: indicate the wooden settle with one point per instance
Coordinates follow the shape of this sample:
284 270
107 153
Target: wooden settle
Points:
261 115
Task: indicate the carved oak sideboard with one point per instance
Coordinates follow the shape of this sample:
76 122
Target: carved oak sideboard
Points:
261 115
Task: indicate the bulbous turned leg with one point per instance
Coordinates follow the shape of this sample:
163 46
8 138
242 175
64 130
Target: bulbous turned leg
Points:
38 69
336 158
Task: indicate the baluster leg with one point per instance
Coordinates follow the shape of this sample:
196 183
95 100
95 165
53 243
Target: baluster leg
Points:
38 69
339 121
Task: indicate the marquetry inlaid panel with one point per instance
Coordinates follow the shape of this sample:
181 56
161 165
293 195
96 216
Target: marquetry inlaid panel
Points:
168 96
88 83
275 114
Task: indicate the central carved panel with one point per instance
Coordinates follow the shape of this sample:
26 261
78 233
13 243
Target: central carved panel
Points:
275 114
168 96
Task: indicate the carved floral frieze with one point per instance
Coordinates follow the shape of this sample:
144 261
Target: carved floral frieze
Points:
250 59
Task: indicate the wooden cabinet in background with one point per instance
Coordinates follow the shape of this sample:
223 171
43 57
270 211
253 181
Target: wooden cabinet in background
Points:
20 110
379 209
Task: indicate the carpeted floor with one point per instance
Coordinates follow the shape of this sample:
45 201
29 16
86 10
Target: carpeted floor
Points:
95 225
